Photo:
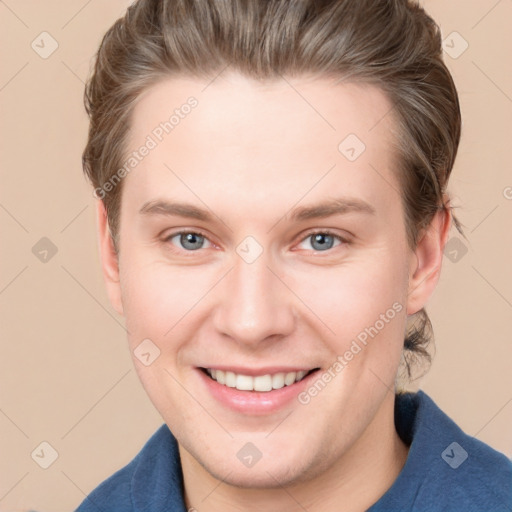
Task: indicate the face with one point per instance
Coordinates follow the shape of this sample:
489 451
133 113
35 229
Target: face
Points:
260 248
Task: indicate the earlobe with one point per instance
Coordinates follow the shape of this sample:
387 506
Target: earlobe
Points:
109 258
426 261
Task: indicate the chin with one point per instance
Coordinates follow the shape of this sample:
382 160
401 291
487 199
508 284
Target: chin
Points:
270 476
271 471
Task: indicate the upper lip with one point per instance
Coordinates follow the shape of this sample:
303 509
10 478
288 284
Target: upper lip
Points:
255 372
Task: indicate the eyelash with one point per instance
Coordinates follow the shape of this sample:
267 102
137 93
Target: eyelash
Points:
328 232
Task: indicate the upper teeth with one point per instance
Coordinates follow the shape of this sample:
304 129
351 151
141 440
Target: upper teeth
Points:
260 383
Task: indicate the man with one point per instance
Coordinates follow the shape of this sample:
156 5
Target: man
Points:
272 211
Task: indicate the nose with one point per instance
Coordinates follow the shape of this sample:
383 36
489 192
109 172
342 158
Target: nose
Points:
254 305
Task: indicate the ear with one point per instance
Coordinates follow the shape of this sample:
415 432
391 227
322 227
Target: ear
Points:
109 259
425 267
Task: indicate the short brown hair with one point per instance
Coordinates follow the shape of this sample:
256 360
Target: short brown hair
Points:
392 44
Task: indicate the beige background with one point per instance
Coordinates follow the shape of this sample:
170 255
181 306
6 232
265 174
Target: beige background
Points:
66 376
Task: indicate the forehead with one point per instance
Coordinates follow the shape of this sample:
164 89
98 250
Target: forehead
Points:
262 139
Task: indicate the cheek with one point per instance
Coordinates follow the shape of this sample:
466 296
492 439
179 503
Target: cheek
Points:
158 303
352 297
341 301
157 298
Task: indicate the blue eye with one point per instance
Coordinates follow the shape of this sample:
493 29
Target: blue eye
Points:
189 240
323 240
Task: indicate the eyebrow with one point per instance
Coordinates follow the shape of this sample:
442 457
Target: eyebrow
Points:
337 206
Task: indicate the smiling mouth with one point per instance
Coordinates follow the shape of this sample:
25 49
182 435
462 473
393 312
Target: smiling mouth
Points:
260 383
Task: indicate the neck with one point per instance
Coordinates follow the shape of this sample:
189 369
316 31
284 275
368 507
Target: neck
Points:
354 483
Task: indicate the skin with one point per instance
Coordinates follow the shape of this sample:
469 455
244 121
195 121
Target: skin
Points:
252 152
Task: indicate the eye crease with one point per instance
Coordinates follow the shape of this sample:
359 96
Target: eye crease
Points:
325 238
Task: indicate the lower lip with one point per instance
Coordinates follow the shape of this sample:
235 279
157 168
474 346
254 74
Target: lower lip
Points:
255 402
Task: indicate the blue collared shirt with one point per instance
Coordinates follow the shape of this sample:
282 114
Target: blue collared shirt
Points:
446 470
